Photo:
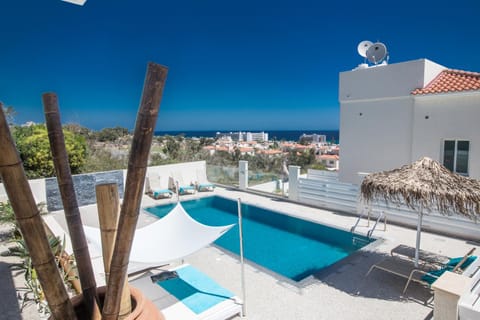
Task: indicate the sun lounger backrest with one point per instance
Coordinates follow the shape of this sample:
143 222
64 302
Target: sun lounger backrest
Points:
465 257
154 182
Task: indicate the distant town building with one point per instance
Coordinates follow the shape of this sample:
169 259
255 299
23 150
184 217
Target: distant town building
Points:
243 136
392 115
331 162
256 136
314 138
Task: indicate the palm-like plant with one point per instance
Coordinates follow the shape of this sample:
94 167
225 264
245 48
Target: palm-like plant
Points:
34 291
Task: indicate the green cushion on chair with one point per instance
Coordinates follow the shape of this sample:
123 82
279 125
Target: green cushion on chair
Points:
454 261
433 275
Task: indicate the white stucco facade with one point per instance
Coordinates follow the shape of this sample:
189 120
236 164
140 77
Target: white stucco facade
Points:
384 126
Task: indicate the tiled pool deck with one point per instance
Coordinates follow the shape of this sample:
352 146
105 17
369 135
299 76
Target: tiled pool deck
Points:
341 292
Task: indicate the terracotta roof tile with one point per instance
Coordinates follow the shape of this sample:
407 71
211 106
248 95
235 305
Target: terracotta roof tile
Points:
451 81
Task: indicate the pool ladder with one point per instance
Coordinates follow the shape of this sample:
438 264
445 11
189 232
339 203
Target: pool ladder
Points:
370 232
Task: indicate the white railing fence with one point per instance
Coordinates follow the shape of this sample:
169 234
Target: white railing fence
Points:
323 189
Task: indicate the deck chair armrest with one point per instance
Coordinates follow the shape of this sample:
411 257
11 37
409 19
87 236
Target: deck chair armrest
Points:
412 275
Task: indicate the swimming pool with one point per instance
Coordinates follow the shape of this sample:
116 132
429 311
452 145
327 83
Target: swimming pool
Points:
292 247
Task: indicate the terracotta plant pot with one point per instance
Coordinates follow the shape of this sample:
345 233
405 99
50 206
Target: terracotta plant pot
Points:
142 308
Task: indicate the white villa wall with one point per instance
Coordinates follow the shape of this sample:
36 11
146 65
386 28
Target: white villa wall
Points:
37 187
375 135
387 81
450 116
376 116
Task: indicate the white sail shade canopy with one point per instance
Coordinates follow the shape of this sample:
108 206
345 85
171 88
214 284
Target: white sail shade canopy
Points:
173 237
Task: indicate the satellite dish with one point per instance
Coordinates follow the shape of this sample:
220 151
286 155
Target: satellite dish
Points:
376 53
363 47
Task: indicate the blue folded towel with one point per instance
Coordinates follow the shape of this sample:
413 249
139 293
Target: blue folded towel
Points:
454 261
197 291
433 275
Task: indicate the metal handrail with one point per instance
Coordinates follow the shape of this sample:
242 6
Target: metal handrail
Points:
369 233
352 229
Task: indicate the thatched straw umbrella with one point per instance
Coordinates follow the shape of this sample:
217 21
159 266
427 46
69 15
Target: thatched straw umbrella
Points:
424 184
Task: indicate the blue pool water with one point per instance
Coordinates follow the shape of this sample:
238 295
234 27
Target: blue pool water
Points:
289 246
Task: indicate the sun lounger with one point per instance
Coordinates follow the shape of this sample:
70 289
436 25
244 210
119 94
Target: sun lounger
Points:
177 180
433 258
426 273
202 182
424 256
189 294
154 188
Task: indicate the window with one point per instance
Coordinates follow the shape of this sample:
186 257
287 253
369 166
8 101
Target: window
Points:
455 155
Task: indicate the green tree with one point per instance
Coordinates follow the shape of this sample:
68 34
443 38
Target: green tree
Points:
111 134
302 158
78 129
171 148
34 148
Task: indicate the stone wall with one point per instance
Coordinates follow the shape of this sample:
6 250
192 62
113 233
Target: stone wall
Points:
84 188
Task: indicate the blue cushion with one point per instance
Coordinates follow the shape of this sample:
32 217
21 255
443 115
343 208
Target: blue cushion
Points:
433 275
206 186
185 189
162 193
454 261
197 291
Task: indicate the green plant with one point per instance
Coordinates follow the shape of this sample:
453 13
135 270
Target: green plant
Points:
34 148
6 213
33 290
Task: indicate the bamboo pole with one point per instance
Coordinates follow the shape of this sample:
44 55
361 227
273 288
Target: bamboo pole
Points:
137 167
31 226
70 205
108 204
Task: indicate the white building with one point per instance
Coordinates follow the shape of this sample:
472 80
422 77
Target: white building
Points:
244 136
391 115
315 138
256 136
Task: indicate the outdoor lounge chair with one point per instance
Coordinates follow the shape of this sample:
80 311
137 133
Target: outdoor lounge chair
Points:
425 274
189 294
423 256
176 181
202 182
154 188
427 257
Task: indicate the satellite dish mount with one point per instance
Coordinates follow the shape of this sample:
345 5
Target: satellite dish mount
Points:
375 53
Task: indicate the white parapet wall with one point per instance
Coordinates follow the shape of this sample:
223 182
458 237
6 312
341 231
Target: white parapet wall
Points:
188 170
38 190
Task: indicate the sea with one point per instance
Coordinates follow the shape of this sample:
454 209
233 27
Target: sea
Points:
279 135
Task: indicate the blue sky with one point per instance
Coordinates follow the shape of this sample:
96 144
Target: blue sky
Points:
250 64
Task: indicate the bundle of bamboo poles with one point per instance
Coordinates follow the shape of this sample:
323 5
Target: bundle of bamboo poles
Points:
30 222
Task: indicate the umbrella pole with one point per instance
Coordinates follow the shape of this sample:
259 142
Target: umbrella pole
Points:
242 263
419 231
